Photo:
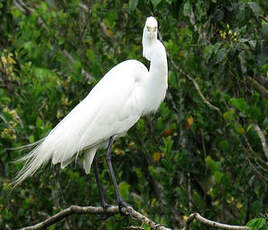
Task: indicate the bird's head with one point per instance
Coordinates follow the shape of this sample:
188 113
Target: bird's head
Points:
150 28
149 36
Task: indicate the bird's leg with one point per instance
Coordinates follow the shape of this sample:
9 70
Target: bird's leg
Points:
99 184
100 188
121 202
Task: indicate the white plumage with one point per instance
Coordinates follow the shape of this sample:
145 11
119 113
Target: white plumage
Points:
114 105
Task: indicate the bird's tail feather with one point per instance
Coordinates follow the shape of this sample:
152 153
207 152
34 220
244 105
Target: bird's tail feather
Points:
23 147
88 159
29 155
33 161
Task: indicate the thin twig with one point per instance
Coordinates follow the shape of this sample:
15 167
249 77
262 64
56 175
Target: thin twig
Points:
72 61
213 107
84 7
262 138
198 217
103 27
189 190
5 121
74 209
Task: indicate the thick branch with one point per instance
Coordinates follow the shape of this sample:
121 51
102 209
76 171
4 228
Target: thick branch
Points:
198 217
74 209
262 138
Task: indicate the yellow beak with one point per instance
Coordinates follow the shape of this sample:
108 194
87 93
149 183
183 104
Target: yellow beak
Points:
151 30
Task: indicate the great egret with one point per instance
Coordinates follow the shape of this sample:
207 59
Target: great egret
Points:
114 105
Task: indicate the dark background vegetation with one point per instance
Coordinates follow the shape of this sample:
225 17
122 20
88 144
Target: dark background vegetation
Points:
200 151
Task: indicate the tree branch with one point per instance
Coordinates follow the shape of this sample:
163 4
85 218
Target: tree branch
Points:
262 80
75 209
198 217
260 88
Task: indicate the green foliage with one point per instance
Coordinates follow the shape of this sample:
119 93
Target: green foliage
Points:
257 224
186 157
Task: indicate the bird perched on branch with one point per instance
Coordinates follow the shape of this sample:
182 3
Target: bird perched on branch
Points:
127 92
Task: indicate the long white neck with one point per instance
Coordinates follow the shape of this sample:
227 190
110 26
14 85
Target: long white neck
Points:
157 82
147 44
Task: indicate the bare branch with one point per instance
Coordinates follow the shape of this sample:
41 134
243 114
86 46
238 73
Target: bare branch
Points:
262 138
198 217
5 121
74 209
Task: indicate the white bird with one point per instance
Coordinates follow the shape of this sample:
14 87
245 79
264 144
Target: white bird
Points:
113 106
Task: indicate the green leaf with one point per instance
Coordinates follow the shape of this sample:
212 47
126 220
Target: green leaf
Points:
218 176
38 122
223 145
91 55
155 2
146 226
31 139
124 189
221 55
240 104
132 4
78 66
210 163
219 15
254 112
255 8
257 224
187 9
208 51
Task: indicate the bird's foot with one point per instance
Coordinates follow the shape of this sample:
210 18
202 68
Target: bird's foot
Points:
123 204
107 215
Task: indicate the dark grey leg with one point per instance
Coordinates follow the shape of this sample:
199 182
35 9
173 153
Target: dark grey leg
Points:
100 187
121 202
